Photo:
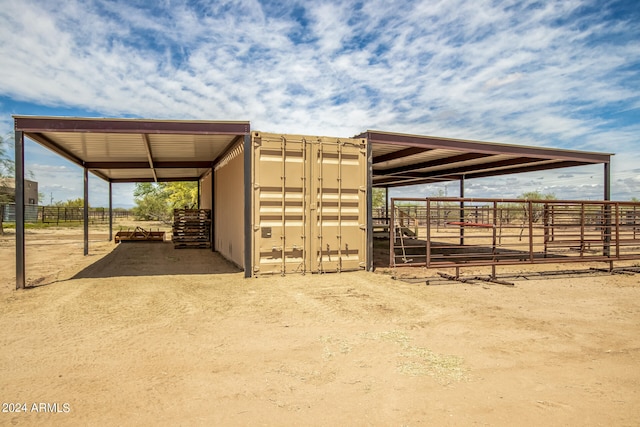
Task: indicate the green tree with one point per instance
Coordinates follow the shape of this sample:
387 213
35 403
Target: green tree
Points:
537 195
378 198
537 209
71 203
182 194
156 201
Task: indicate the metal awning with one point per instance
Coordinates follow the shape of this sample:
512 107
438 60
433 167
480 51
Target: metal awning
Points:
136 150
402 159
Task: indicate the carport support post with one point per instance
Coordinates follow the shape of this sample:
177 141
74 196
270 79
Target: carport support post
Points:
369 198
462 210
110 211
198 199
248 197
213 210
19 198
386 202
607 211
85 214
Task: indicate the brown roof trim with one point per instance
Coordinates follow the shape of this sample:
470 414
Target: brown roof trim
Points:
150 179
145 165
483 147
30 124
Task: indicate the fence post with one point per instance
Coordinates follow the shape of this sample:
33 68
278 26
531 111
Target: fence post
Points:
607 230
530 205
1 220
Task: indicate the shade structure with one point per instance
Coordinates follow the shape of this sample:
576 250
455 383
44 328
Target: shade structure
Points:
136 150
144 150
404 159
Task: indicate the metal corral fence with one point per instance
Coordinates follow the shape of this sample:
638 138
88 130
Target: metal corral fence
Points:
453 232
59 214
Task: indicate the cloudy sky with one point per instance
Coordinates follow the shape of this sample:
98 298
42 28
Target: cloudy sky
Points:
562 74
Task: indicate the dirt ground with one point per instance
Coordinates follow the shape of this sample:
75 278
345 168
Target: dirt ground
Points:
140 333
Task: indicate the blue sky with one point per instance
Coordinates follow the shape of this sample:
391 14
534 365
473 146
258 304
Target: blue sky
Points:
560 74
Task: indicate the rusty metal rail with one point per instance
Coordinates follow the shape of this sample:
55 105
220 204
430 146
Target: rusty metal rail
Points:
455 232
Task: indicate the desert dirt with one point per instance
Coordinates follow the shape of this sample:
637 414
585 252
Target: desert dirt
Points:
143 334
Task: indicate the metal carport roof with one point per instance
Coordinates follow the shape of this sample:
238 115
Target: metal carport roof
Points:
402 159
123 150
136 150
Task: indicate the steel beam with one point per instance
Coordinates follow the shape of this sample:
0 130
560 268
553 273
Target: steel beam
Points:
31 124
369 198
110 211
213 210
386 201
198 198
136 180
607 181
433 163
467 146
147 146
462 209
405 152
85 212
606 250
423 178
248 197
19 199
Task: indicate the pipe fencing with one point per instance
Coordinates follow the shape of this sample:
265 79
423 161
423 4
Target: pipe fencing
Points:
59 214
456 232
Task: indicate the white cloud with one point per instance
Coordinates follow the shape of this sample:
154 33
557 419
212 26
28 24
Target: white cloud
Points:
547 73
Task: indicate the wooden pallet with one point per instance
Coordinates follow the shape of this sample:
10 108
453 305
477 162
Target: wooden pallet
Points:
192 245
191 228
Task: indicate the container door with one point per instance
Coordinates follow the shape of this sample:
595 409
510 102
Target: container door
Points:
309 204
279 203
339 198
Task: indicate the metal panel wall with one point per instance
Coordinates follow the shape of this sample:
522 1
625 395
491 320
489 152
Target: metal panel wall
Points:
229 206
309 204
206 192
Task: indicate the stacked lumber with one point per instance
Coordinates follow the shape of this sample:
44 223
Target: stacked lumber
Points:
191 228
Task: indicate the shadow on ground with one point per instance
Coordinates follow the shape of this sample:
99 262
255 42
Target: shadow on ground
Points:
155 259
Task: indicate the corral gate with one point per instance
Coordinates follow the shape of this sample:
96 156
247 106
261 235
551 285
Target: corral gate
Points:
453 232
309 204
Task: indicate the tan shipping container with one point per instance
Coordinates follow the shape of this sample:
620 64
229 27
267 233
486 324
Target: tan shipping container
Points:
206 191
228 195
309 204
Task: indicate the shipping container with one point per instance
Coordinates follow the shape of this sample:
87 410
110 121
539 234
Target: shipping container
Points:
206 191
228 206
309 204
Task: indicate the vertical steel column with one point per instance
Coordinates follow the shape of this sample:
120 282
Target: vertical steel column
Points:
213 210
369 257
462 210
198 199
248 196
392 234
386 203
607 181
607 210
110 211
19 198
85 212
